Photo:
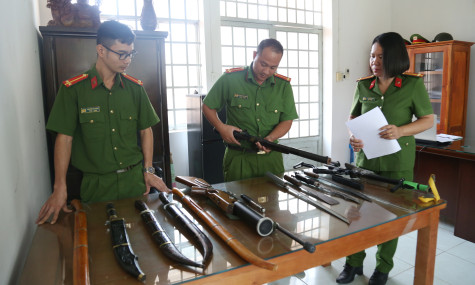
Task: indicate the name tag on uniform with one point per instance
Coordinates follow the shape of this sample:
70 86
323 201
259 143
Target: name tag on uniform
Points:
369 99
240 96
96 109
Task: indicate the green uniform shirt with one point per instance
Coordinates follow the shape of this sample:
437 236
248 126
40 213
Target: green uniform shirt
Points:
254 108
250 106
405 97
103 123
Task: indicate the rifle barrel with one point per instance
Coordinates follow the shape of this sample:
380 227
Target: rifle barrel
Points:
281 148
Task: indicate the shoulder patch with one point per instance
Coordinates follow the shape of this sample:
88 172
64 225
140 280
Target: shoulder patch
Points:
134 80
282 77
414 74
231 70
365 78
71 81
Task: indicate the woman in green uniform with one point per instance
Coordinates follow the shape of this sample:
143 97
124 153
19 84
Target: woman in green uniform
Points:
400 96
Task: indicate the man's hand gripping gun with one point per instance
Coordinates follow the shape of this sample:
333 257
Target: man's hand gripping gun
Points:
245 136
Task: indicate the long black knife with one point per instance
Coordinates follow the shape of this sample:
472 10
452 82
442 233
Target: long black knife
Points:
316 204
298 186
336 186
314 184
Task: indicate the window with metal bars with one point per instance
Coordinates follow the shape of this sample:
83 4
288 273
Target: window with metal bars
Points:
295 23
244 23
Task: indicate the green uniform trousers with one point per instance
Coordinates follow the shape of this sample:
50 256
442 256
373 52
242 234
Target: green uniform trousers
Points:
239 165
112 186
386 251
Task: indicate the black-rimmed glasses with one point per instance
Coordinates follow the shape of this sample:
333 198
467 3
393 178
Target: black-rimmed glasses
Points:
122 56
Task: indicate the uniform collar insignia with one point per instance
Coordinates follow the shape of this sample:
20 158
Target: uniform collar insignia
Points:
373 83
398 82
94 82
121 82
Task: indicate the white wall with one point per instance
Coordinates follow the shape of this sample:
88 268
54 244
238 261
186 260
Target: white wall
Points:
455 17
356 23
24 172
351 30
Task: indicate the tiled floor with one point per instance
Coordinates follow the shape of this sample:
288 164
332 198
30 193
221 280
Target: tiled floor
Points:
454 263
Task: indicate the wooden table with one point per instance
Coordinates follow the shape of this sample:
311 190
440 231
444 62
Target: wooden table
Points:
389 215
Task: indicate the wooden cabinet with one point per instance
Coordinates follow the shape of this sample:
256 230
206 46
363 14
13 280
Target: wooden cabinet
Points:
69 52
445 66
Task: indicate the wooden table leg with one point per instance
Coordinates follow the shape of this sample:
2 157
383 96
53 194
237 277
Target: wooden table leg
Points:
426 247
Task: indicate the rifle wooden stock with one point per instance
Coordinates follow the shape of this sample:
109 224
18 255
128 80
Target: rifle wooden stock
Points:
80 249
231 241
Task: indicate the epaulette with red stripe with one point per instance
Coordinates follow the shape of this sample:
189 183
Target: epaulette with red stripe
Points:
134 80
71 81
231 70
413 74
282 77
367 77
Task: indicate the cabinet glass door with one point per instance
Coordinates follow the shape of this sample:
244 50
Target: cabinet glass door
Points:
431 65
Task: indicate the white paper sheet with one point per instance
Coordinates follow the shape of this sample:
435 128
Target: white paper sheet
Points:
366 127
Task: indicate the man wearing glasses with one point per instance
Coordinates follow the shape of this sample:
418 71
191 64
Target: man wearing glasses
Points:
96 117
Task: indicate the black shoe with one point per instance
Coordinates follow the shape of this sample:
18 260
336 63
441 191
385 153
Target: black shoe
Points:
348 274
378 278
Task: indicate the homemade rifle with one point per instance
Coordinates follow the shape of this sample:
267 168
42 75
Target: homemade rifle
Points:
231 205
121 245
245 136
357 172
288 186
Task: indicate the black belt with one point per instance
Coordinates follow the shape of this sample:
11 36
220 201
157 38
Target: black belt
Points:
126 169
243 149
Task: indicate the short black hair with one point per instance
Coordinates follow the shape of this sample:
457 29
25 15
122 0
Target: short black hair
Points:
395 57
274 44
109 31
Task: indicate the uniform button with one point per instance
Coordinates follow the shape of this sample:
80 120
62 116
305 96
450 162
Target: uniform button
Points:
110 93
258 119
115 148
257 104
239 106
130 118
91 121
382 97
113 130
112 111
275 111
407 144
120 163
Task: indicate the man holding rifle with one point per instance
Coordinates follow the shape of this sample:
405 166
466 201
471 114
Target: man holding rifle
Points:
257 100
